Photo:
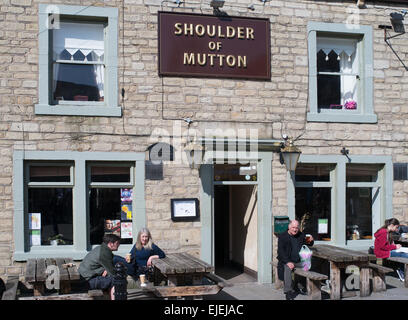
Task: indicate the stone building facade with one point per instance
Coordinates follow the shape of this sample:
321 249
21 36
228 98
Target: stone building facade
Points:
145 108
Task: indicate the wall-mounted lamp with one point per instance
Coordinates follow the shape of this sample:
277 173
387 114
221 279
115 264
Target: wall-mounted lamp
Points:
290 154
194 152
216 5
397 19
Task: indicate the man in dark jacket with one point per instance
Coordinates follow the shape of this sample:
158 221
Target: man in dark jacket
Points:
289 245
97 267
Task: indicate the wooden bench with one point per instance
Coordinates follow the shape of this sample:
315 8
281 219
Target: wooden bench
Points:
36 274
378 275
10 291
91 295
313 281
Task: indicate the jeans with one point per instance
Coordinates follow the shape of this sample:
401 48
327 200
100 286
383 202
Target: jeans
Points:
399 254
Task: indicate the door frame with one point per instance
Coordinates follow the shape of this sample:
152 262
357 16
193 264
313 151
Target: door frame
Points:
264 223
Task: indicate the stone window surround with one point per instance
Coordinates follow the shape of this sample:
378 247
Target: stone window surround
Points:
365 112
339 185
110 108
80 247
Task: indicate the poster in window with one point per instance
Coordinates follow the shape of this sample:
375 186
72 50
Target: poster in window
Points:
126 230
126 211
34 221
35 237
126 195
323 226
112 226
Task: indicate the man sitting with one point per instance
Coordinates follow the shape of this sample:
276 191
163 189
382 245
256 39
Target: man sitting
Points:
289 245
97 267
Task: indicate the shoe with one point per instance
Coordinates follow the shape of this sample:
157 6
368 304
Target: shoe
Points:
302 291
290 295
401 275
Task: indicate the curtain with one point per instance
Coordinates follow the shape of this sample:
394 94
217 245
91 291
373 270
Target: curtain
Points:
83 37
348 61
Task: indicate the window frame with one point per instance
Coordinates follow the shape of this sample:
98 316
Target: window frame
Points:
79 161
364 112
338 178
110 106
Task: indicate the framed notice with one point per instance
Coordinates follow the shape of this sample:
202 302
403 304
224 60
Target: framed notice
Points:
185 209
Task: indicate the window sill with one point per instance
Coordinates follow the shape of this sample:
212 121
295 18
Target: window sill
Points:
346 118
62 251
77 110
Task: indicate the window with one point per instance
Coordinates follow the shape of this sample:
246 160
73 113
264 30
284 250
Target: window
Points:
362 196
110 201
341 202
50 203
313 199
78 69
78 62
337 74
74 198
340 73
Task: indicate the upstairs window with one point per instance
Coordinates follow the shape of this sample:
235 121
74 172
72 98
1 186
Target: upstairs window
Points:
337 74
340 73
78 62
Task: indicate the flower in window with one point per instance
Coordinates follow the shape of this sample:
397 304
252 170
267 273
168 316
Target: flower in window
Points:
350 104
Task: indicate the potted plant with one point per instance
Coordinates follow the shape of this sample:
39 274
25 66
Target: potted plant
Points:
56 240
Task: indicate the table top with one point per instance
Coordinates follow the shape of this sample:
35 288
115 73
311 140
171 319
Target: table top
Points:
338 254
181 263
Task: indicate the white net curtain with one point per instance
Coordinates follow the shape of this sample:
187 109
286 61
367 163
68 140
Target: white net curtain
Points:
78 55
345 51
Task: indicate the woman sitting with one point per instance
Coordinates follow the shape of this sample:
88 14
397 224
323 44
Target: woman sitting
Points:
384 246
139 261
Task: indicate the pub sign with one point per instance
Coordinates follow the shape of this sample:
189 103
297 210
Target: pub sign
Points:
213 46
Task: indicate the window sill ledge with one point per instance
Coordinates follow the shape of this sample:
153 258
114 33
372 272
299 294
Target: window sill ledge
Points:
354 118
75 110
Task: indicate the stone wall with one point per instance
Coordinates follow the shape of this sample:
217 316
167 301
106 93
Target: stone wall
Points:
151 102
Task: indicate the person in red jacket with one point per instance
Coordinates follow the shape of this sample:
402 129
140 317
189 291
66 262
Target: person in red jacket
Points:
384 246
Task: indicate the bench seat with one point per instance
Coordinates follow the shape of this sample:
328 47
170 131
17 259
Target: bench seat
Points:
313 281
404 261
378 275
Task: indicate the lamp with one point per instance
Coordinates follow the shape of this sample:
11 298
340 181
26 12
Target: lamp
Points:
216 5
194 154
397 19
290 155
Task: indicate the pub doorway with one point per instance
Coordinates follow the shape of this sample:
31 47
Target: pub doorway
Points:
235 232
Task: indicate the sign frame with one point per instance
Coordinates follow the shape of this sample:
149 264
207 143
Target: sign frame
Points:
256 51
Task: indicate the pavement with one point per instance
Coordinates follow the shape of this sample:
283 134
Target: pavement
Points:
251 290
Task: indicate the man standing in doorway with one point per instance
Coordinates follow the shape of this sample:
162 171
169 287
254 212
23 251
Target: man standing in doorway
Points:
289 245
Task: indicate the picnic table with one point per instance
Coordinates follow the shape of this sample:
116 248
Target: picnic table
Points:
341 258
184 274
39 269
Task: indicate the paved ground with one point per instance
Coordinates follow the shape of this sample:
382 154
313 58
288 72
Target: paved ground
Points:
249 290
